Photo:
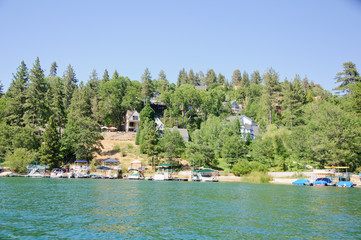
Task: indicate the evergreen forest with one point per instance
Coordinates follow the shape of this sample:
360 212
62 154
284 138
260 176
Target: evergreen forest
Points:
55 119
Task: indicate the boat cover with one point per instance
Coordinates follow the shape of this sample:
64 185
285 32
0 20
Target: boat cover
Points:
345 184
301 181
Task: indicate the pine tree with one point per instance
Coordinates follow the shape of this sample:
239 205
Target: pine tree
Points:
293 99
182 77
245 80
53 70
270 97
105 76
236 77
1 89
163 84
50 149
147 86
211 77
349 76
221 79
256 77
70 84
16 96
191 77
36 106
149 142
115 75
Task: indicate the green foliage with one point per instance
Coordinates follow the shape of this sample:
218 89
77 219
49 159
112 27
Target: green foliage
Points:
349 76
257 178
19 159
172 144
16 96
241 168
147 86
50 149
80 140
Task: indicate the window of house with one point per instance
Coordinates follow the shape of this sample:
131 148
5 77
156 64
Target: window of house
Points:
131 124
135 117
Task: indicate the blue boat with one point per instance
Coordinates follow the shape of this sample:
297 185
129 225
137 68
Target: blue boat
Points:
301 182
345 184
321 181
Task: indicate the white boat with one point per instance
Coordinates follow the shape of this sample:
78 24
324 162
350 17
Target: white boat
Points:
37 171
5 173
58 173
80 170
136 171
204 175
164 173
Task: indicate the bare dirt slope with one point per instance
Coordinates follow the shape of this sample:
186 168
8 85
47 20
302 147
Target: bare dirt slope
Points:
121 146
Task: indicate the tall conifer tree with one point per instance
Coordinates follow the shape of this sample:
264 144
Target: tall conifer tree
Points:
16 96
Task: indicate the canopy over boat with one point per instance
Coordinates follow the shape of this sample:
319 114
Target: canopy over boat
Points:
111 160
204 170
103 168
136 161
164 165
81 161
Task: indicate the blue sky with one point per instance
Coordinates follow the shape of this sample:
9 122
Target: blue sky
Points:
309 38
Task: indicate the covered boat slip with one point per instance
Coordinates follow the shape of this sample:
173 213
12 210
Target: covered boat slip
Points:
109 170
165 173
331 177
204 175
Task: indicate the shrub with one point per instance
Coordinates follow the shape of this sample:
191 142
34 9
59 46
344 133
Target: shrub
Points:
124 153
241 168
130 146
257 177
116 147
18 160
258 167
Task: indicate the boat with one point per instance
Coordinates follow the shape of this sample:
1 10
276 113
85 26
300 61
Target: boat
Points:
58 173
301 182
204 175
80 170
324 181
345 184
164 172
136 171
37 171
4 172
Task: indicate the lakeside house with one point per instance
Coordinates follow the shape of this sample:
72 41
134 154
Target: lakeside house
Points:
248 126
183 132
132 121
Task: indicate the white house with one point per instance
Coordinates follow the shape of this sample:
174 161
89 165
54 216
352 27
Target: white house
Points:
132 121
248 126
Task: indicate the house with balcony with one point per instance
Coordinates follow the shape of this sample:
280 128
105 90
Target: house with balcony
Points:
248 126
132 121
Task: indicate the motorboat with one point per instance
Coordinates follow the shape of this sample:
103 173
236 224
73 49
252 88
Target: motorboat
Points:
301 182
324 181
136 171
4 172
80 170
58 173
204 175
164 172
37 171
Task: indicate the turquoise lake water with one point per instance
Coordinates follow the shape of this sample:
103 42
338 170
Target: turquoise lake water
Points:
121 209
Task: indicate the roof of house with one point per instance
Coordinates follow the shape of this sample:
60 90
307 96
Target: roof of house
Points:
183 132
131 113
201 87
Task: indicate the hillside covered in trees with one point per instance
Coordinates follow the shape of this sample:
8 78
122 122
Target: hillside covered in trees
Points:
57 120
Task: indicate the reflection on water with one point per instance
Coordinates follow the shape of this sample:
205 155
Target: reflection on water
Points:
120 209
